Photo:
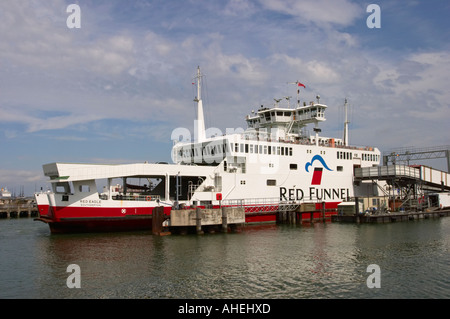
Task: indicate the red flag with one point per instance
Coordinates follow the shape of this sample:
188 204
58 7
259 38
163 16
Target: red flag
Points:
300 84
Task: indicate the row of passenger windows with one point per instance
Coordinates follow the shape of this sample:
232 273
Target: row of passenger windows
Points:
365 156
261 149
238 148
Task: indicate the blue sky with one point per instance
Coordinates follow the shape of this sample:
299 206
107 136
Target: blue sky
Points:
113 90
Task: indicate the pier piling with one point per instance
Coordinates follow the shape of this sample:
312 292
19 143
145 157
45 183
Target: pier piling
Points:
198 217
157 220
224 220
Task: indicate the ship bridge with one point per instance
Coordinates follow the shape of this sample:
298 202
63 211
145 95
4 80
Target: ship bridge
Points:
287 121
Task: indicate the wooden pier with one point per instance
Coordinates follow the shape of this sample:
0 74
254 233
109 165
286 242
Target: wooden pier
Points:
391 217
16 208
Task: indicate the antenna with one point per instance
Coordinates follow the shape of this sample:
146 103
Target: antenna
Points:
298 90
277 101
288 98
346 124
200 122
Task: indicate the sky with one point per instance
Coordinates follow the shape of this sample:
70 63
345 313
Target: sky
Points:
114 89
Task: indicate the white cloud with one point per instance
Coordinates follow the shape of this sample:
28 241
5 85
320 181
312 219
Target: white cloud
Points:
36 36
319 12
74 77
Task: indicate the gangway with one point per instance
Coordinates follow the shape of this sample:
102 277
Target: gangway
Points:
411 182
407 154
402 175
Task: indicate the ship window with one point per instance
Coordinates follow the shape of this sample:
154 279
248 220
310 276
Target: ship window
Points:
279 113
269 150
293 166
84 188
265 149
224 166
236 147
339 168
271 182
282 151
251 148
290 151
241 148
246 148
260 149
278 150
242 182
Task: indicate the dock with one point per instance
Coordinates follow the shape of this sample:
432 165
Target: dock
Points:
15 208
391 217
197 219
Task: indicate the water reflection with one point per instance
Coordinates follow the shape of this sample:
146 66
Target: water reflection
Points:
270 261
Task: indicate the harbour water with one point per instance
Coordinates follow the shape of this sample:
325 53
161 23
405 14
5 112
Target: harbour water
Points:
265 262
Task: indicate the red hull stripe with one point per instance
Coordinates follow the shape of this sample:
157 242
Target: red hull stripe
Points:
96 219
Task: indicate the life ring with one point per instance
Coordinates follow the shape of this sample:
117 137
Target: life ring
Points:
148 198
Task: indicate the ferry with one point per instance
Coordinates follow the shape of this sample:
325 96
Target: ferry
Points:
274 160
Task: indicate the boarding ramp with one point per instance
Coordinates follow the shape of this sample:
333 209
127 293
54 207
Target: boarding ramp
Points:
401 174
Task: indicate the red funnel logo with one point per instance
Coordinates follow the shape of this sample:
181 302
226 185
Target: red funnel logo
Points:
317 176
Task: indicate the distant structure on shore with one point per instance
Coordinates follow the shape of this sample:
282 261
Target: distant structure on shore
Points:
5 193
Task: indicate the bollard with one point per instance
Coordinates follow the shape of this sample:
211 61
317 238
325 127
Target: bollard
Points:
157 220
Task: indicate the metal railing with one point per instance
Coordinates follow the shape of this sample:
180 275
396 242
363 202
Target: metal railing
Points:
265 205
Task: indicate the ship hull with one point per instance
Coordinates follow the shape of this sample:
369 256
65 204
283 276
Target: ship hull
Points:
98 224
83 220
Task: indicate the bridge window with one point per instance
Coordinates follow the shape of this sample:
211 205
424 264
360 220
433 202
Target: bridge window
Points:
293 166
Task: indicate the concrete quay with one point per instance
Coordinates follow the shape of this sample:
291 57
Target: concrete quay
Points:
15 208
391 217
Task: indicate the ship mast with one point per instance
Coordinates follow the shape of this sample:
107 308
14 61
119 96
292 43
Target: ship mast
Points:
346 124
199 124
